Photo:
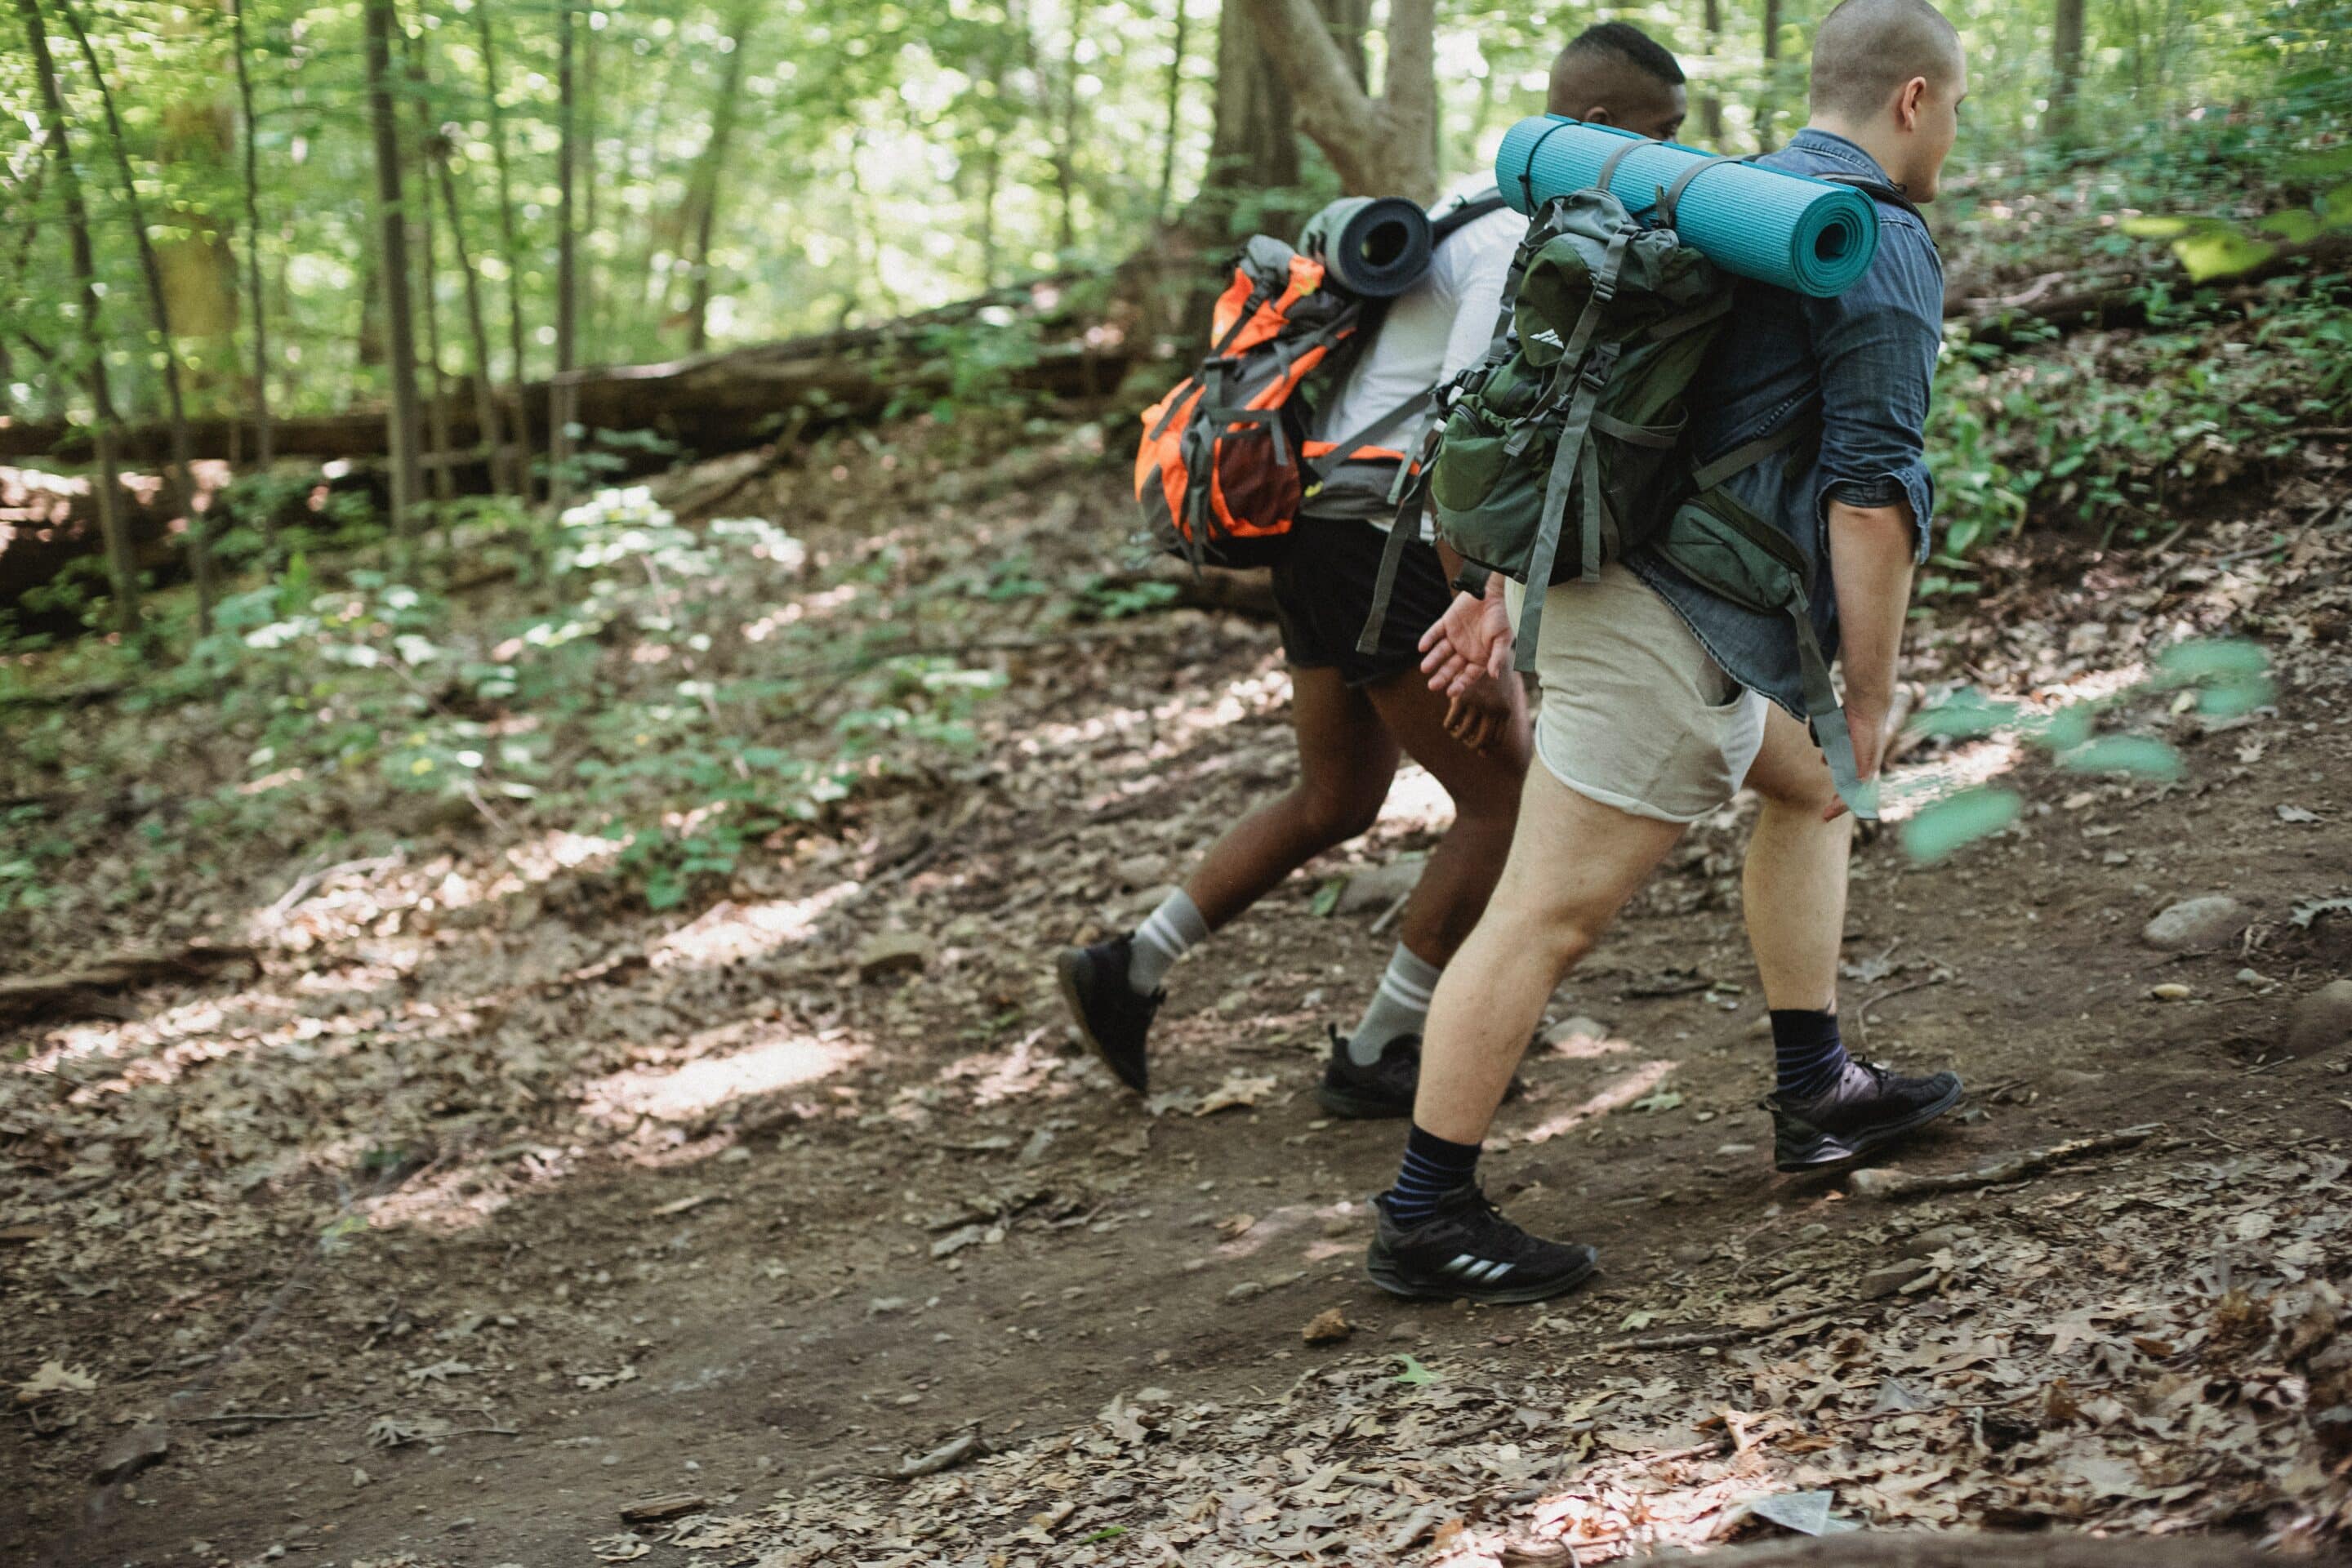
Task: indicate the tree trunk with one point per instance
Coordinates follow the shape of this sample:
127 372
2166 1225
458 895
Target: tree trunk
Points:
512 251
1386 146
589 296
486 403
1253 148
1161 209
1768 101
266 448
2066 59
710 167
122 568
1066 137
392 265
428 298
567 296
1710 99
200 555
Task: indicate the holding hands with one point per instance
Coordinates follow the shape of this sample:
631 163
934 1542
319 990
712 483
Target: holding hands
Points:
1467 655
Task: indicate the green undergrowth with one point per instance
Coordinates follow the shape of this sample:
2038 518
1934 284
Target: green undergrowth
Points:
682 693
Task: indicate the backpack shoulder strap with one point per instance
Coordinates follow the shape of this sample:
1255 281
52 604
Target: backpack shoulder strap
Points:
1442 229
1878 190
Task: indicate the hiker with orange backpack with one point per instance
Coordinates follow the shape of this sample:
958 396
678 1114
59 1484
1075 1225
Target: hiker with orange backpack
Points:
1236 471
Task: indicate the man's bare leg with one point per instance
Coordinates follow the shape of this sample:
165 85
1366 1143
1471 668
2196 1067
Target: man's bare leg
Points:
1827 1108
1572 866
1792 886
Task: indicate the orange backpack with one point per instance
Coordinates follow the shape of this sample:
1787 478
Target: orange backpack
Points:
1218 473
1225 463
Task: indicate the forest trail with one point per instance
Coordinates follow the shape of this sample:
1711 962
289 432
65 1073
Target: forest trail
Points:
496 1207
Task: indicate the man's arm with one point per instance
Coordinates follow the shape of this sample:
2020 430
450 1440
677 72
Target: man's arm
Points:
1870 562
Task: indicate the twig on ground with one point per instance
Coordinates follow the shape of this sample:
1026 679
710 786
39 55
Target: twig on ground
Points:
1725 1334
269 1414
1890 1185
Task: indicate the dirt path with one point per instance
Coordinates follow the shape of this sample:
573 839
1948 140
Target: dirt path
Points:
741 1208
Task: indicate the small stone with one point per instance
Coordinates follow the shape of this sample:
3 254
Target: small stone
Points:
893 952
1326 1327
1248 1290
1887 1282
1936 1240
1580 1027
1691 1257
143 1446
359 1478
1401 1332
1140 871
2194 925
2170 991
2321 1021
1371 891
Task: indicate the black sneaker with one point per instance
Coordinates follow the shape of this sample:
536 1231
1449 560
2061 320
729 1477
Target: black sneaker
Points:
1112 1018
1467 1250
1867 1108
1384 1089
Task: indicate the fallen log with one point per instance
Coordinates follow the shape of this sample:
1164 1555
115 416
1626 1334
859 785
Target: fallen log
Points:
2121 298
90 992
733 398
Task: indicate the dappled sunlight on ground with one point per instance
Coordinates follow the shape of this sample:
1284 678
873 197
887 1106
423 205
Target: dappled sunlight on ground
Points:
780 1056
728 931
1618 1092
1417 803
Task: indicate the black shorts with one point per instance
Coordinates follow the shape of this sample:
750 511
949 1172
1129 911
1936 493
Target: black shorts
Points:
1323 592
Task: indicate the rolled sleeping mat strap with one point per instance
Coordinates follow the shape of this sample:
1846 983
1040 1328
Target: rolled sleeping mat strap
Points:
1826 715
1812 235
1374 248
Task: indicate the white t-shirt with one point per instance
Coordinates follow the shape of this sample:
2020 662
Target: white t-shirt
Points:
1433 330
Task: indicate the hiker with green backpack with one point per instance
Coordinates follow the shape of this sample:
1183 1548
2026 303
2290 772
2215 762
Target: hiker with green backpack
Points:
1231 472
1710 487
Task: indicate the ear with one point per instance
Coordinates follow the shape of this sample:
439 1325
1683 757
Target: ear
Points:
1597 115
1908 101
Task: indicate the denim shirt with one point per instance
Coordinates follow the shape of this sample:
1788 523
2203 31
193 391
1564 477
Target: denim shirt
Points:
1862 361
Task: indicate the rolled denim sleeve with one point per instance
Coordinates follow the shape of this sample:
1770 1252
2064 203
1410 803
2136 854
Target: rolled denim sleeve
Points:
1877 345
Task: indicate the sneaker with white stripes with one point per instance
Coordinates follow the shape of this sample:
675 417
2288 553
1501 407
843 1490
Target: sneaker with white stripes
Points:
1468 1251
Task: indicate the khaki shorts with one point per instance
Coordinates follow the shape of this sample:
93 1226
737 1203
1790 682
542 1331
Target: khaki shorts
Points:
1634 713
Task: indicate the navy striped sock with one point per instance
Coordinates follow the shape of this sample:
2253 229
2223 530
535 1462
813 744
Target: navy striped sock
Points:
1808 1056
1434 1166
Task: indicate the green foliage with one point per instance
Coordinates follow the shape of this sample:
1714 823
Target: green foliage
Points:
2227 677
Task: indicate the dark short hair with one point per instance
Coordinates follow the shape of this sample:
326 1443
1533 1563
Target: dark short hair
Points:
1626 42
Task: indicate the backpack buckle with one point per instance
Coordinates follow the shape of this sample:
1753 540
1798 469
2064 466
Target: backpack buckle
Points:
1595 374
1604 286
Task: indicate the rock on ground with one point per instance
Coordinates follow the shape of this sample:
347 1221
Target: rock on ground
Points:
2321 1021
2193 925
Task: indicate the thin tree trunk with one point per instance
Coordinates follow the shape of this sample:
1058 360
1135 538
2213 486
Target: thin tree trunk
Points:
121 566
265 439
183 490
590 296
511 249
2066 59
486 403
391 265
1767 104
1710 101
445 481
1065 138
567 295
987 184
710 167
1161 209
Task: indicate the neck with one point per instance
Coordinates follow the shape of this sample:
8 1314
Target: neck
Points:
1876 138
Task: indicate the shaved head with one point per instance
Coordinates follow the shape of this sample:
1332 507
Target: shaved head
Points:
1867 50
1615 74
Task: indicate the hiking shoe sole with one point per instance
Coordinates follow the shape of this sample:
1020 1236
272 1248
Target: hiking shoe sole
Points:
1828 1151
1382 1270
1359 1107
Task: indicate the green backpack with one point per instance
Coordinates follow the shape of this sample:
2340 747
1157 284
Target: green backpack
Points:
1564 448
